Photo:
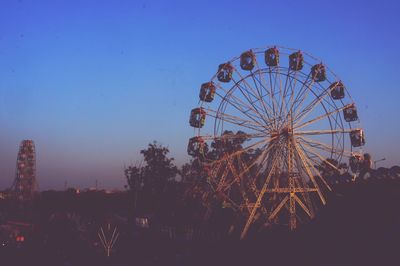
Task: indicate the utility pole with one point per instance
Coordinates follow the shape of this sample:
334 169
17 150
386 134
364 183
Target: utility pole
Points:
377 161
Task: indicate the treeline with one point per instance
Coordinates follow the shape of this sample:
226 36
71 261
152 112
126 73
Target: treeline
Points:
154 189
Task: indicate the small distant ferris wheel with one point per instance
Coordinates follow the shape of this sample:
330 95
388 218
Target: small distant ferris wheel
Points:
291 114
25 184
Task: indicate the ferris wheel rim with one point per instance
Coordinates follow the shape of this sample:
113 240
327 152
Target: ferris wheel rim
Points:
261 50
234 86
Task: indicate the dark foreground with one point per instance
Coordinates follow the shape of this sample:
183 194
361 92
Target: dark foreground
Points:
360 226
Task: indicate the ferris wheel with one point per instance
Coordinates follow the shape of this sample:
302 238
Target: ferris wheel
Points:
266 123
25 183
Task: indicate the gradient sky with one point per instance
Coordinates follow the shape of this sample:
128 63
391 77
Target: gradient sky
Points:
93 82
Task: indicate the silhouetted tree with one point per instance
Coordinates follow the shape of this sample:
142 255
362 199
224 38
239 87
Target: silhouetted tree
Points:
192 171
329 168
228 142
332 170
149 182
197 173
158 169
134 176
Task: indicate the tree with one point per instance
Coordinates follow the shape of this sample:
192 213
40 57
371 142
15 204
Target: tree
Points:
197 170
331 169
150 179
194 171
134 176
229 142
159 169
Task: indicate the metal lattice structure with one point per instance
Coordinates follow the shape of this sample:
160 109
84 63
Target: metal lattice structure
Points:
108 237
266 123
25 184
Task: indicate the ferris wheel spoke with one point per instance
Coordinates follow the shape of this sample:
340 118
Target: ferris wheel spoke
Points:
291 99
319 117
254 104
318 173
221 189
240 136
310 163
237 180
312 158
252 146
282 94
311 150
260 88
243 165
324 146
241 104
321 132
310 107
259 198
309 172
255 92
243 80
236 120
213 172
253 100
232 136
221 181
263 83
269 110
237 100
298 102
275 80
235 174
303 91
251 95
272 111
266 106
289 86
263 156
239 176
278 74
245 112
221 172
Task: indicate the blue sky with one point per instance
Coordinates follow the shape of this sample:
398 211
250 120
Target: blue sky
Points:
93 82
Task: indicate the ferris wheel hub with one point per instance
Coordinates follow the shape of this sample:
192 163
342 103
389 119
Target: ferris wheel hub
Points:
285 132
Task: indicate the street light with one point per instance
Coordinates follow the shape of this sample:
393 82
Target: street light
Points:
377 161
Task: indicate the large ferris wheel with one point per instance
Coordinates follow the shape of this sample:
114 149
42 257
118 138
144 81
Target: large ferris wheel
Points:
273 117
